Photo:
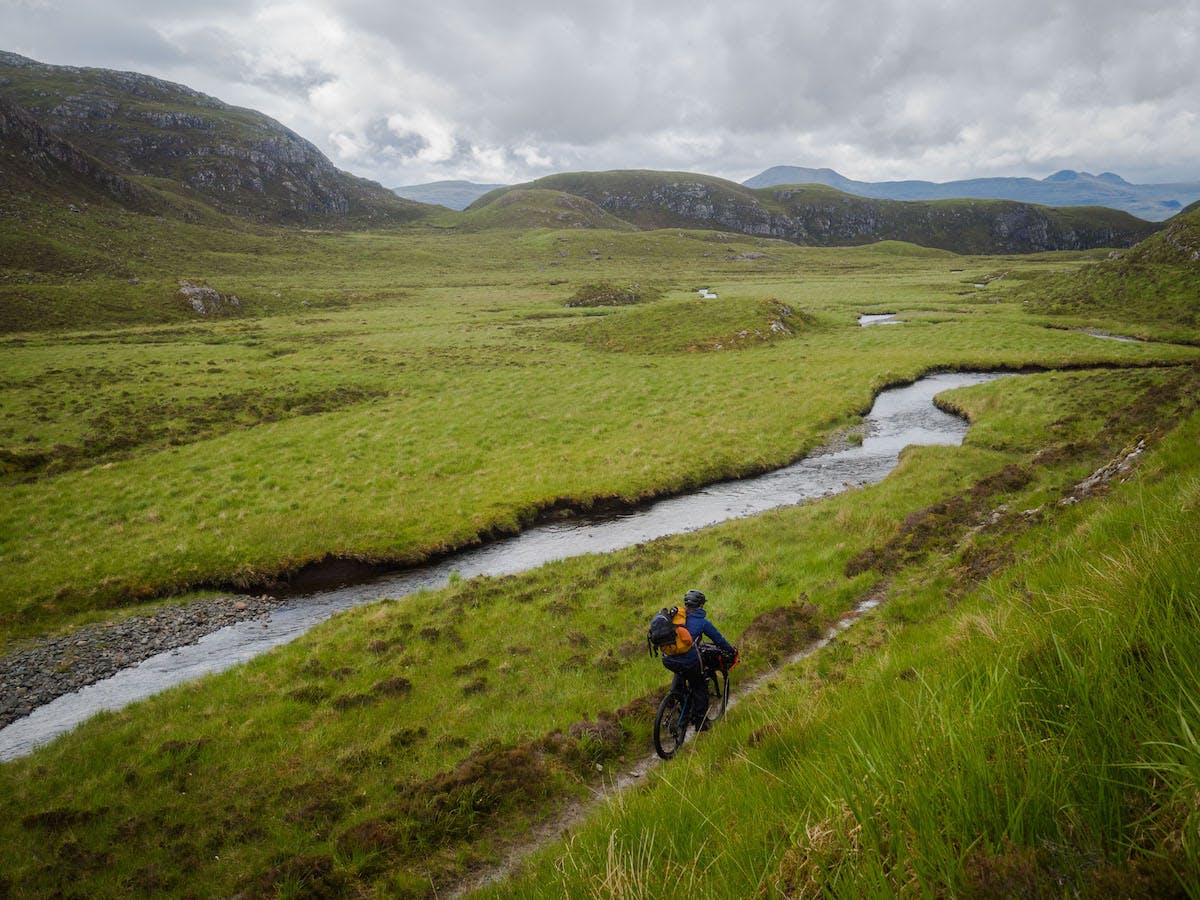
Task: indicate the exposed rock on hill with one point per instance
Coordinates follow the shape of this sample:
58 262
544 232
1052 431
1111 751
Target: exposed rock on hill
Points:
237 160
34 154
824 216
1177 244
207 301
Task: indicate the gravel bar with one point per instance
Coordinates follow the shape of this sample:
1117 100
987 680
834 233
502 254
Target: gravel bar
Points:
51 667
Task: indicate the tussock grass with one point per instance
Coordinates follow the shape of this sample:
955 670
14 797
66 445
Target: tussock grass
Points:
151 460
604 293
692 325
390 395
1038 734
404 740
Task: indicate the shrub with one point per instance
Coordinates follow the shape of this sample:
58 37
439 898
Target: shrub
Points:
606 294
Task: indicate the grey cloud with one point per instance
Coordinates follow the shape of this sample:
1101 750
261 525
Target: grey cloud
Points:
401 144
82 34
902 88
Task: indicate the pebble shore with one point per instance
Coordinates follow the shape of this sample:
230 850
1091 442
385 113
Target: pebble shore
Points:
51 667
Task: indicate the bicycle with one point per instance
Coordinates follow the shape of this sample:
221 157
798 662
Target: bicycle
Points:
674 712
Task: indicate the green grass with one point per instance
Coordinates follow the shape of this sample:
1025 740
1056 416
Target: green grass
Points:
391 395
245 449
404 740
691 325
1149 291
1034 734
535 208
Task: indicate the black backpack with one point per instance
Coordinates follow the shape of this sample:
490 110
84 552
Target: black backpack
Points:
667 633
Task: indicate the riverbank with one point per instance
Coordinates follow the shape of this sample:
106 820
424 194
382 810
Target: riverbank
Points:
400 745
47 668
900 417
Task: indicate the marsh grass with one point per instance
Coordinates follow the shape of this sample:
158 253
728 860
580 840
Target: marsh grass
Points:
389 395
151 460
1039 734
401 742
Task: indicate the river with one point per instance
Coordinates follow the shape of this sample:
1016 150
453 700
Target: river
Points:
900 417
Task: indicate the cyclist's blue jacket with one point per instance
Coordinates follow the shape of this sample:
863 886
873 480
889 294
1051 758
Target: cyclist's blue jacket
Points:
697 624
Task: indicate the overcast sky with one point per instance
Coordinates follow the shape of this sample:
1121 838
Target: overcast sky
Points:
406 92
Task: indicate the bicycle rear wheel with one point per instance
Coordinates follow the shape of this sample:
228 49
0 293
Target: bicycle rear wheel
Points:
718 693
668 735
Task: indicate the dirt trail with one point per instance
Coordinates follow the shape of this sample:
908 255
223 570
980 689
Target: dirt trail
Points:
634 772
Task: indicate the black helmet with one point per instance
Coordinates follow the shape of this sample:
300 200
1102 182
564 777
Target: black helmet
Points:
693 598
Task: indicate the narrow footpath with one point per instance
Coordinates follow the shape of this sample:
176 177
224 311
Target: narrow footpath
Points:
634 772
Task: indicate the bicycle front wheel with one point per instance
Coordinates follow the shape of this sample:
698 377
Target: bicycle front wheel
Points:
718 693
668 736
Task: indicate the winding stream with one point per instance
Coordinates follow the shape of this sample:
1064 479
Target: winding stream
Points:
867 319
899 417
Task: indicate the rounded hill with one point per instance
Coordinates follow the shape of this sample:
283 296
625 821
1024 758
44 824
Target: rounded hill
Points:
824 216
651 199
1156 285
539 208
1178 244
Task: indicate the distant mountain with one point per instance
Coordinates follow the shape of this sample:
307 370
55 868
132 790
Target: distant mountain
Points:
453 194
823 216
168 140
1153 202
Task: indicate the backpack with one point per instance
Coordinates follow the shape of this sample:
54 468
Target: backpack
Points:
667 634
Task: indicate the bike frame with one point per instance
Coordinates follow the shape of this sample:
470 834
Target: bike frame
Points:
678 701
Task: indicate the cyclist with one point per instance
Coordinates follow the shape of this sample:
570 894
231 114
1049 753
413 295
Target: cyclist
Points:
687 667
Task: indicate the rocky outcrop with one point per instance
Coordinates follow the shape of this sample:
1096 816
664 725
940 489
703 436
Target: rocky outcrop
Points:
207 301
41 152
964 226
1178 244
827 217
237 160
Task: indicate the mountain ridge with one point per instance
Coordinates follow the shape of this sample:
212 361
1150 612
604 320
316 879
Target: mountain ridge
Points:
1067 187
456 195
823 216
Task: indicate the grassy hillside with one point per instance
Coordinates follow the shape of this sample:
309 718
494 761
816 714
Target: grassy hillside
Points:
963 226
1154 288
236 451
540 208
824 216
1029 730
631 183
